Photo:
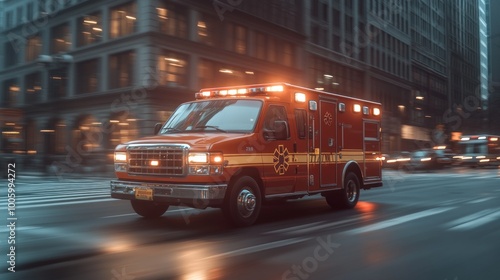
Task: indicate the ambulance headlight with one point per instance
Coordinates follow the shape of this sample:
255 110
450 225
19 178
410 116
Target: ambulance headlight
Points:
120 157
205 163
198 158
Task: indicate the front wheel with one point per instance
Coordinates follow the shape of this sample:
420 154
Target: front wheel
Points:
242 206
149 209
348 197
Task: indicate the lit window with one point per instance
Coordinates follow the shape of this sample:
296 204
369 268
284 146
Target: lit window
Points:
123 20
172 68
33 48
172 19
89 29
61 39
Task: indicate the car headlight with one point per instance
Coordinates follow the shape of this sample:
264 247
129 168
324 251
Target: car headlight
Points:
198 158
120 157
205 163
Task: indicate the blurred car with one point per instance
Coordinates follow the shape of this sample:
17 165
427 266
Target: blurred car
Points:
446 156
427 160
396 160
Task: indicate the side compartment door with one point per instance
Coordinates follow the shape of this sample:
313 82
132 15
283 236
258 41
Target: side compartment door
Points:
371 150
328 143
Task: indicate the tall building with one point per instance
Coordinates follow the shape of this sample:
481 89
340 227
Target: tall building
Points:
464 86
494 65
78 77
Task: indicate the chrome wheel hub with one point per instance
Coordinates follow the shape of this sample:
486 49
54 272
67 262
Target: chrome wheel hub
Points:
246 203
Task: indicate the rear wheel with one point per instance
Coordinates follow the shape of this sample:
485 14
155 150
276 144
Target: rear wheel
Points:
149 209
242 206
346 198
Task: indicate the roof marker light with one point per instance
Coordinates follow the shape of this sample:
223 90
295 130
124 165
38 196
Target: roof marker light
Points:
357 108
275 88
376 111
300 97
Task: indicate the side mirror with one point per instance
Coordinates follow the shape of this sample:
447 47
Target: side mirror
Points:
157 128
280 130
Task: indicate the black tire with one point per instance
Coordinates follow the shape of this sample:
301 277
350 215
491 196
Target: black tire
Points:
149 209
348 197
243 202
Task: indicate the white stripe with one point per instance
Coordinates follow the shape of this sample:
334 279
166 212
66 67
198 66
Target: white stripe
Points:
400 220
6 229
131 214
62 203
291 229
259 248
475 220
327 225
480 200
23 201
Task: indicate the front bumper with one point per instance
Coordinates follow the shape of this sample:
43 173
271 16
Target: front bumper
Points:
197 196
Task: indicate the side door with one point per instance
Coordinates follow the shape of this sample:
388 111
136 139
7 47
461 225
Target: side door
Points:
371 150
328 143
278 174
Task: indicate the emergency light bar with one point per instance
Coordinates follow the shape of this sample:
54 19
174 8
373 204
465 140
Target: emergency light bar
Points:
238 91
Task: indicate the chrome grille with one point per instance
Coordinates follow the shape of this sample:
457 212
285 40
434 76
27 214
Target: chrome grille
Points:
157 160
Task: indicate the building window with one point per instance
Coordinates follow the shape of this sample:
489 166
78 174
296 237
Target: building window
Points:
9 19
209 30
287 54
12 89
123 20
261 47
85 135
237 36
11 55
33 88
89 29
87 76
61 38
31 138
33 48
211 74
123 127
58 83
30 11
172 19
121 70
172 68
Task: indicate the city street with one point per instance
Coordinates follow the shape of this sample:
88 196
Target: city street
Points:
425 225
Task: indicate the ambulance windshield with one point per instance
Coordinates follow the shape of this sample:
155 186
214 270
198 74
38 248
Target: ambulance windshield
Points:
235 115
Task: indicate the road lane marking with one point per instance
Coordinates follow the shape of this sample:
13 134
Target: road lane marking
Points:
475 220
291 229
314 228
258 248
21 228
480 200
399 220
62 203
131 214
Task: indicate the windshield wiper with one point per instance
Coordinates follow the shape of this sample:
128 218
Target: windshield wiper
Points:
211 126
170 129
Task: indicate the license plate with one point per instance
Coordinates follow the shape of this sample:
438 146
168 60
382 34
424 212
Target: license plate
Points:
144 193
